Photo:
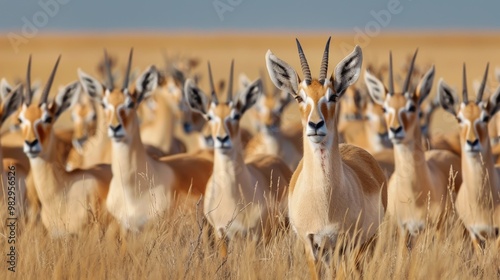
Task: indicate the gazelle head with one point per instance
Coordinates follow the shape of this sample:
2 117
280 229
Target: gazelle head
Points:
269 108
84 117
223 117
317 98
351 106
120 104
10 100
402 108
472 116
374 114
36 120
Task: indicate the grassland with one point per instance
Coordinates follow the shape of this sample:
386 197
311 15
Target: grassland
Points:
176 246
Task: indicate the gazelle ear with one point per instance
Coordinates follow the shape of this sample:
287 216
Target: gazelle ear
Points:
282 75
244 81
146 83
494 102
249 96
5 88
67 97
425 85
11 102
91 85
375 87
497 73
448 98
347 71
195 97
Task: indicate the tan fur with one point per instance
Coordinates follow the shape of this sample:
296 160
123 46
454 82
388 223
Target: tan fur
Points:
478 200
66 198
142 187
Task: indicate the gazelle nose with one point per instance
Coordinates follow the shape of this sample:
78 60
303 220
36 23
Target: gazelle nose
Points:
473 143
396 130
316 125
32 143
115 128
223 139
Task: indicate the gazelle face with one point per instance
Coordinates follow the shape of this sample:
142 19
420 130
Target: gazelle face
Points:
223 117
376 118
401 109
269 109
472 116
84 119
36 120
120 105
352 104
317 98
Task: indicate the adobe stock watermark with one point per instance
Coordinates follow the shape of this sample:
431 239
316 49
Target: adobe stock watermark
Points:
223 6
32 25
381 19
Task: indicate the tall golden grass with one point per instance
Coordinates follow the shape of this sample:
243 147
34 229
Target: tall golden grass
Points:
177 246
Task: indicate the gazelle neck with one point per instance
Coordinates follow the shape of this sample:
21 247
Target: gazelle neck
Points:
129 156
324 161
479 170
410 162
49 170
163 125
230 165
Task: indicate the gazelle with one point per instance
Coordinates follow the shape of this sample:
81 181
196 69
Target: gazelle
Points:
271 138
13 172
67 199
242 192
335 192
142 187
478 200
418 187
361 123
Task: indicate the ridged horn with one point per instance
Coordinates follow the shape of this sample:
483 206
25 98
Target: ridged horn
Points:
110 83
29 93
212 87
465 94
303 64
48 85
127 72
406 85
391 75
480 93
230 85
324 62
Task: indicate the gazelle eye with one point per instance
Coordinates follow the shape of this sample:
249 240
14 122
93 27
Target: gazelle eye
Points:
299 99
333 98
209 118
236 117
384 110
130 105
412 108
486 118
47 119
19 120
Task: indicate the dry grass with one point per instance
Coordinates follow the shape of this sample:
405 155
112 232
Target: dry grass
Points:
177 246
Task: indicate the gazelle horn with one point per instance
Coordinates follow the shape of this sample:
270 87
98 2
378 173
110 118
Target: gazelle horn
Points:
127 72
303 64
46 89
212 87
107 68
410 71
391 75
324 63
480 93
465 94
230 85
29 93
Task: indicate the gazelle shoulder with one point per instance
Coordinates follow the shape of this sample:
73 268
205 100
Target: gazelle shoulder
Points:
364 165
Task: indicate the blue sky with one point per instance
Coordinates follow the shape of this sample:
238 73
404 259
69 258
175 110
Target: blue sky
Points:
251 15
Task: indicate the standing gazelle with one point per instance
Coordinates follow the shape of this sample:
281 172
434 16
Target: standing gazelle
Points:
418 187
68 200
478 200
335 192
242 193
142 188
